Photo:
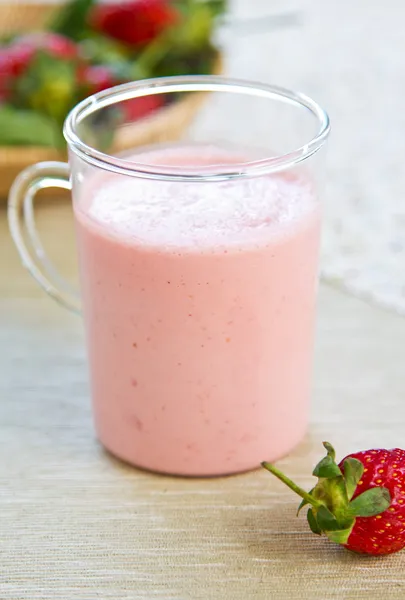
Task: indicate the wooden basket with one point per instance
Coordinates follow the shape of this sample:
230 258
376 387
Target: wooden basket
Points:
166 125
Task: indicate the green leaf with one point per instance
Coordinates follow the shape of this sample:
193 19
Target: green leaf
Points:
330 450
313 522
372 502
98 49
353 471
186 63
217 7
8 37
326 520
27 128
71 19
192 33
332 493
301 506
197 28
327 468
48 86
304 502
341 536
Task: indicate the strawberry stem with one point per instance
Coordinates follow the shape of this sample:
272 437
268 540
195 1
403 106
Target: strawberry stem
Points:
293 486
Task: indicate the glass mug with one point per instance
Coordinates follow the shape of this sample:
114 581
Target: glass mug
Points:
198 238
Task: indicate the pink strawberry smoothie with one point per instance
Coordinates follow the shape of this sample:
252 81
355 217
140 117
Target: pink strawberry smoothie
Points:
199 306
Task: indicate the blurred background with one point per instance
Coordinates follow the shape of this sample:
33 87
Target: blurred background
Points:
349 56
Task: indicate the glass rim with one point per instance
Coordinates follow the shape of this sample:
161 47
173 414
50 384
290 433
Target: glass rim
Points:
193 83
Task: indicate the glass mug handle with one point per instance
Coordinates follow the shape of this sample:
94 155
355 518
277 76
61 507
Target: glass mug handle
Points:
24 233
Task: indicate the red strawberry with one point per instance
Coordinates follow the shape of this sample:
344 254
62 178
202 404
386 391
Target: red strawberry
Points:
134 22
359 503
13 62
15 58
137 108
53 43
96 78
384 533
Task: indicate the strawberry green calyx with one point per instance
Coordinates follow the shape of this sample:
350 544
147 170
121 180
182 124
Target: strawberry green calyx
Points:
332 511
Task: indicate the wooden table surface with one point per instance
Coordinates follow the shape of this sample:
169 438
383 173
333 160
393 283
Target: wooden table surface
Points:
77 524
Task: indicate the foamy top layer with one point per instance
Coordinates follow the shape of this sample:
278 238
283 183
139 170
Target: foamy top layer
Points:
187 214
